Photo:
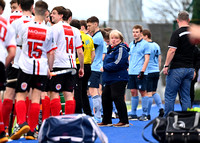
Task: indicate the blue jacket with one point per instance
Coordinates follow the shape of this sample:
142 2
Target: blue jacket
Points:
115 64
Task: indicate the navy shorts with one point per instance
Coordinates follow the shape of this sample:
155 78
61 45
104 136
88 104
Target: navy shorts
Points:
2 76
152 81
12 73
62 82
27 81
135 83
94 79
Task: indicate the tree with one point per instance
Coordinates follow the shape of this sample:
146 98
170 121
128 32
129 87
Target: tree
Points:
166 11
196 12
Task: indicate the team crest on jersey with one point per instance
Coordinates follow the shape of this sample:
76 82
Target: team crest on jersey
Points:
58 86
23 85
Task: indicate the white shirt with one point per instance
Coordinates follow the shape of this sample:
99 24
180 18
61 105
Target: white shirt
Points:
36 40
17 25
14 16
7 38
67 39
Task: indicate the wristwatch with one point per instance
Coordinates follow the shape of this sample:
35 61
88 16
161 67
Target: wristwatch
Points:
166 66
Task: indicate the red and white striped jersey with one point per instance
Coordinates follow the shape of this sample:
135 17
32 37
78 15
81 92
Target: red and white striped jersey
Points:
17 25
67 39
14 16
36 40
7 38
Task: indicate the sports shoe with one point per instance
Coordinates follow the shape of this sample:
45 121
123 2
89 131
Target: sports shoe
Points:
149 117
161 112
132 117
20 130
105 124
97 120
121 125
143 118
3 137
31 135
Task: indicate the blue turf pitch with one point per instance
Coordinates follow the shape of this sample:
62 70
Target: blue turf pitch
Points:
132 134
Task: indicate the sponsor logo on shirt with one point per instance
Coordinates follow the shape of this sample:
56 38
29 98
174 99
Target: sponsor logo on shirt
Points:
37 33
14 17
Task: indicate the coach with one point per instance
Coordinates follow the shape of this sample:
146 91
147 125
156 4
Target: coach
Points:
180 58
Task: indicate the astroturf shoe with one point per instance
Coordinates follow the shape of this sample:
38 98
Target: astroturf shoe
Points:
143 118
121 125
104 124
3 137
133 117
161 112
20 130
31 135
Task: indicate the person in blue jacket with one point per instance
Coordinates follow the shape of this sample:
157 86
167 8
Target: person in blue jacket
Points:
115 78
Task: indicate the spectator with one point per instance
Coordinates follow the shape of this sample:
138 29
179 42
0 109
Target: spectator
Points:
179 65
115 78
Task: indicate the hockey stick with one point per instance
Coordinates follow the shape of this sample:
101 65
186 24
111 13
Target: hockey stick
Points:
11 121
11 80
73 72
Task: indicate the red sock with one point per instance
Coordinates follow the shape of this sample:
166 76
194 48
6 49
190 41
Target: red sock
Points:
2 128
6 110
45 108
70 107
28 109
55 107
27 105
33 116
21 111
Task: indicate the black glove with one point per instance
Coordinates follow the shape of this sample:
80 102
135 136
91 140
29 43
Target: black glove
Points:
141 75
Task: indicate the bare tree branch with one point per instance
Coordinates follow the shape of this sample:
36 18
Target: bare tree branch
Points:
169 9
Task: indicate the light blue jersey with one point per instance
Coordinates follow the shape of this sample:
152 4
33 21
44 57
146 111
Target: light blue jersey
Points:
137 56
105 48
153 65
99 47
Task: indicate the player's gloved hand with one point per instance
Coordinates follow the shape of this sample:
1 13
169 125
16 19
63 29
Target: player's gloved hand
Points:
141 75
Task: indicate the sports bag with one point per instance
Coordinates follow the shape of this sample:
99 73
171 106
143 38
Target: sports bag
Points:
72 128
180 126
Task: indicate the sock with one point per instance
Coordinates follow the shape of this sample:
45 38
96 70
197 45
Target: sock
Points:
150 101
55 107
27 104
145 105
134 104
97 105
91 103
2 128
70 107
45 108
33 116
114 108
157 100
6 110
21 111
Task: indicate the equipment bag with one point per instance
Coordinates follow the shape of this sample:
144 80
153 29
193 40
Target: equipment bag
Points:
180 126
72 128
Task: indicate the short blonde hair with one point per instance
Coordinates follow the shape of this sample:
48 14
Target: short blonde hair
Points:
118 34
